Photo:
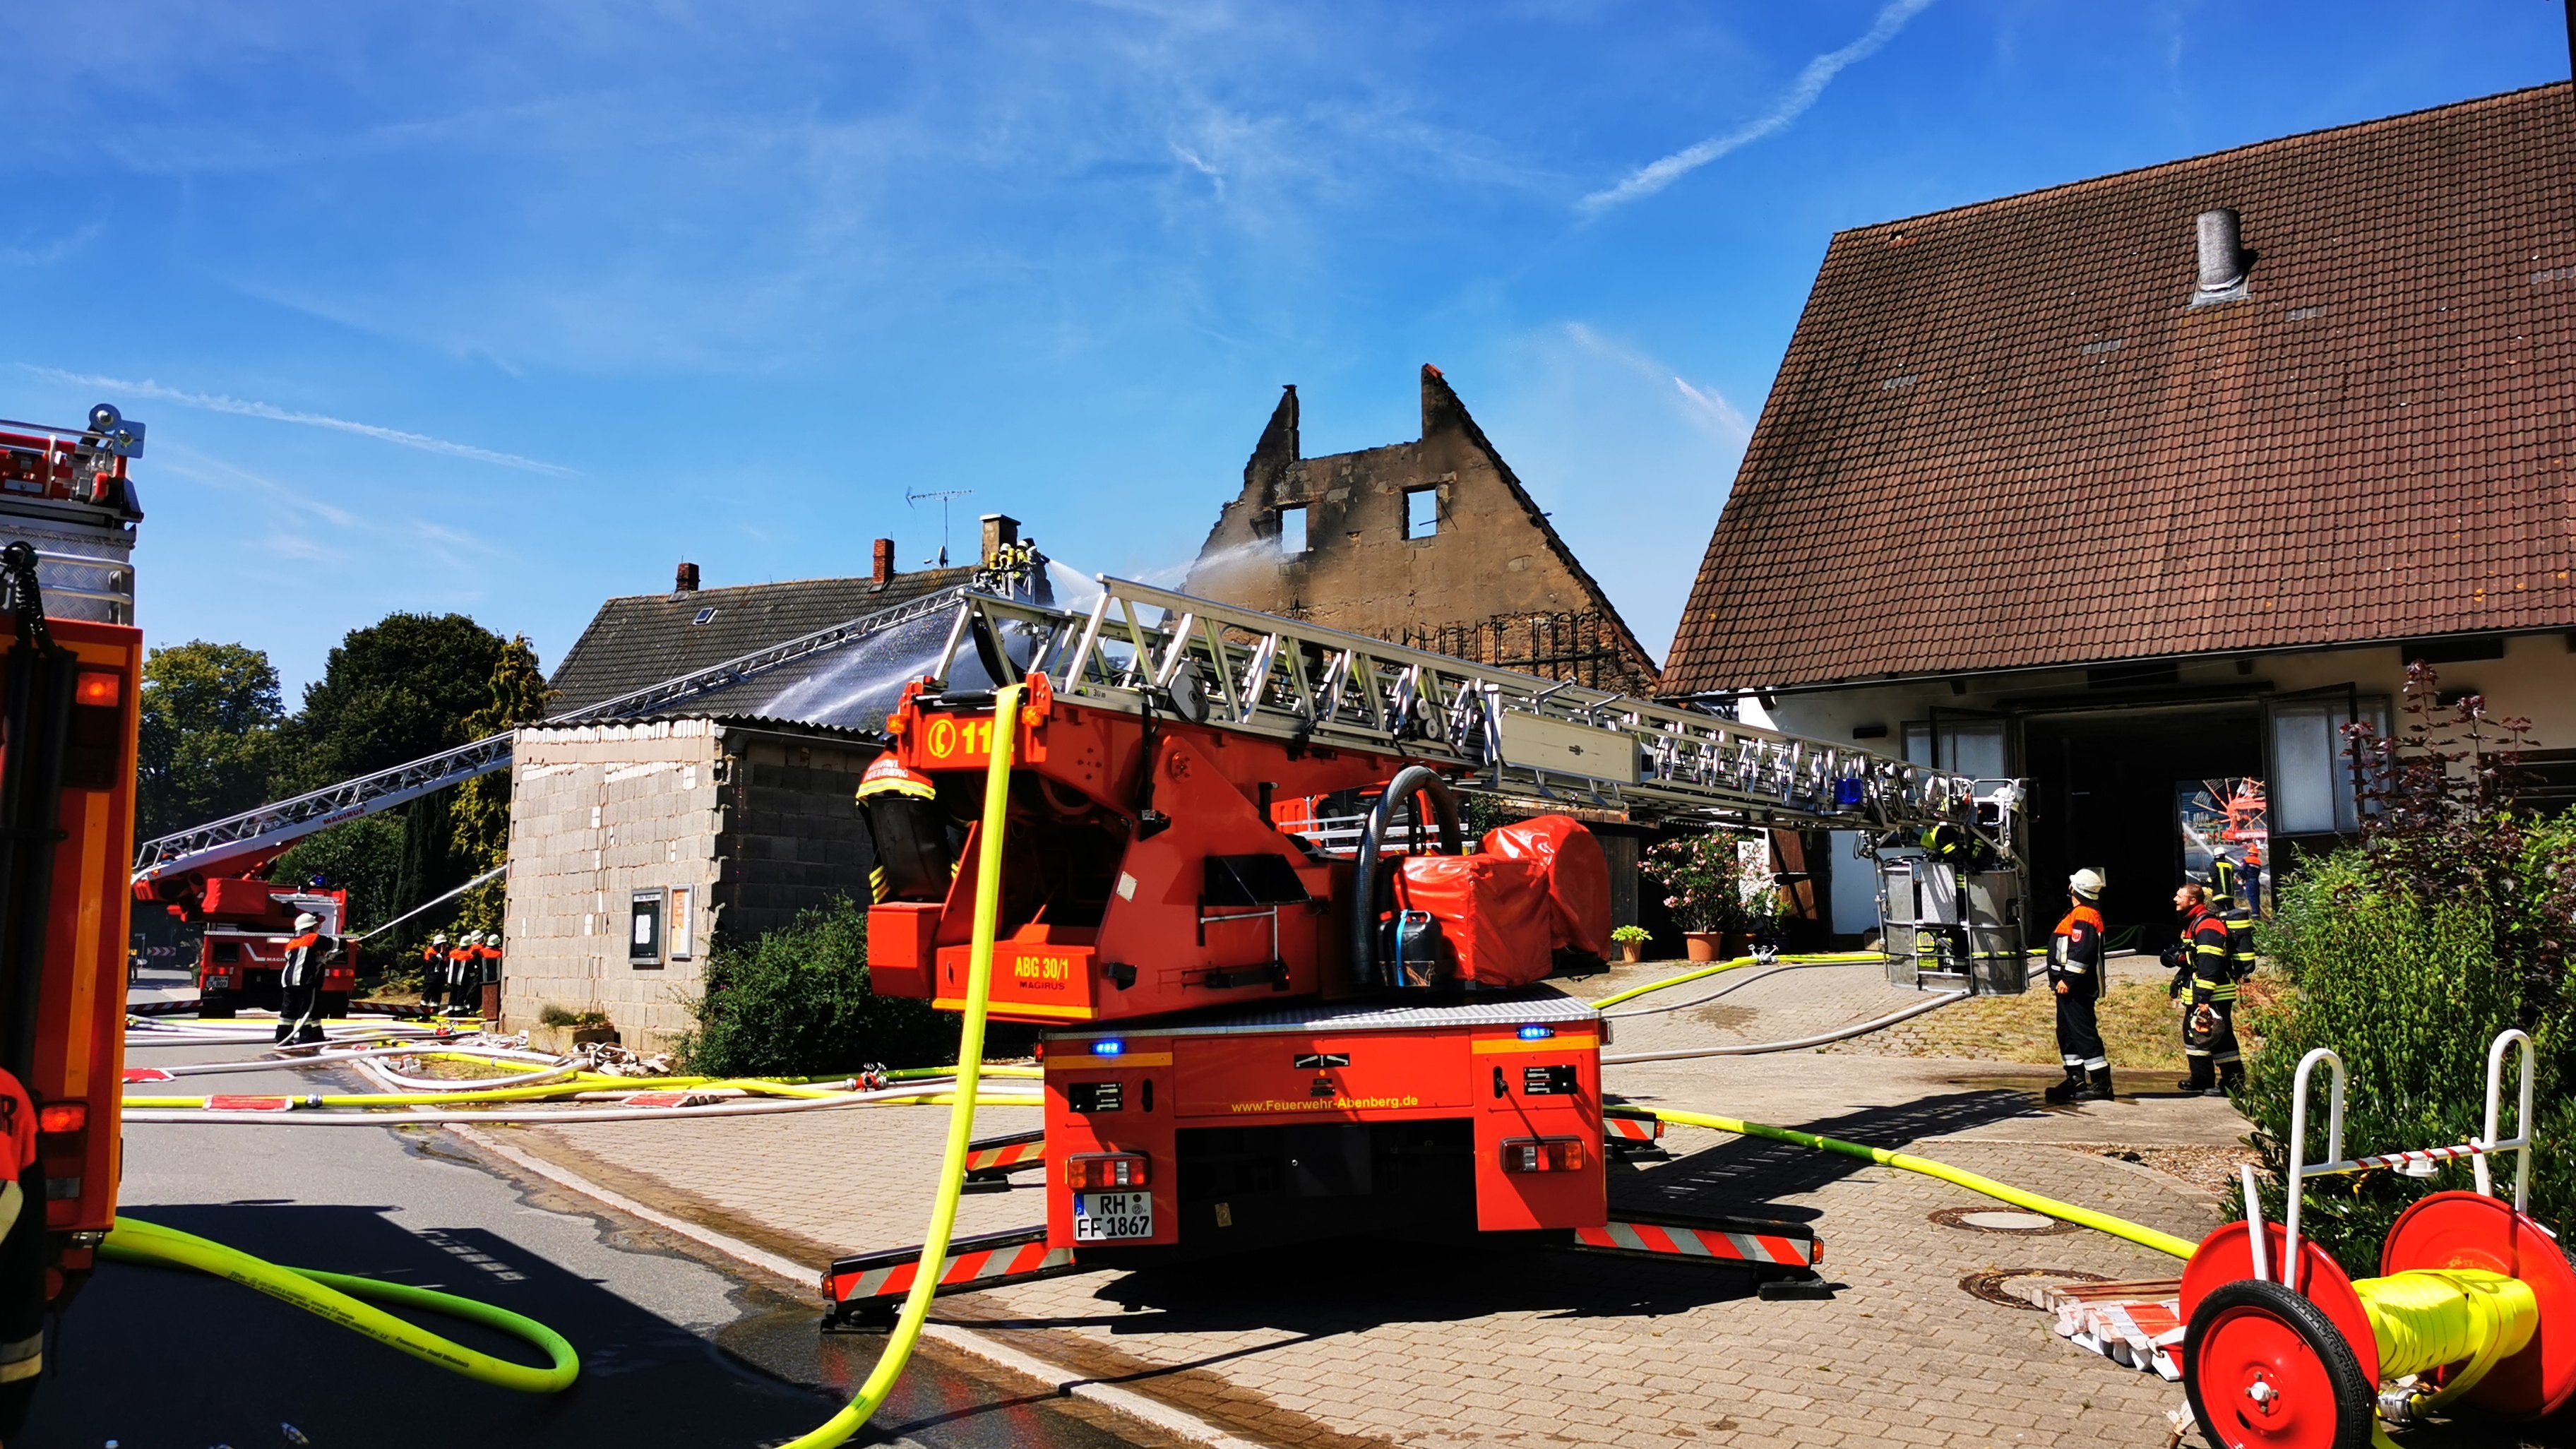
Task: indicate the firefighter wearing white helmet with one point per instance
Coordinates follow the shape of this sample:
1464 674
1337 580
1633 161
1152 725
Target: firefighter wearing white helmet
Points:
433 974
299 1012
464 972
2075 975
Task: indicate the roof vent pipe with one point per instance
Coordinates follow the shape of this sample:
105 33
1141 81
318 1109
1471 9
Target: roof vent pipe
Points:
2222 257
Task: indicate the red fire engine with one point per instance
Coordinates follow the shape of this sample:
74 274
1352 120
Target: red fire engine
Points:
70 666
248 923
1252 1041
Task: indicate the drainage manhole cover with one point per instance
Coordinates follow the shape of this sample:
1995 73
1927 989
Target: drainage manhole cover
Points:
2002 1285
2001 1220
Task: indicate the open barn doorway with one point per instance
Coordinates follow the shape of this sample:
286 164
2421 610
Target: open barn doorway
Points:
2104 794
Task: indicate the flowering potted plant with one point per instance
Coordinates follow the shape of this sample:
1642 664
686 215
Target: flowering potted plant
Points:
1631 941
1703 881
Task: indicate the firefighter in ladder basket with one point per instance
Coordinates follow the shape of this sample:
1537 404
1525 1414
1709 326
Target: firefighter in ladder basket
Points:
299 981
2075 975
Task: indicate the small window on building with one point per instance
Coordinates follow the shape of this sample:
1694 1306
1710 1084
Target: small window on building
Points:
1918 742
1421 512
1292 530
2314 790
644 933
705 615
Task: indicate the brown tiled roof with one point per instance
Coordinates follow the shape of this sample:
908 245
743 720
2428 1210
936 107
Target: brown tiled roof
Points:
644 639
2002 438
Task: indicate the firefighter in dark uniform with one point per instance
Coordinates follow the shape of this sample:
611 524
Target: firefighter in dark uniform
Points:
2206 963
433 974
22 1257
299 1010
2075 975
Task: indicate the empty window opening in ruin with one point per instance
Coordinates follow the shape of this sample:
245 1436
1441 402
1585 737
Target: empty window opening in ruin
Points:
1421 512
1292 530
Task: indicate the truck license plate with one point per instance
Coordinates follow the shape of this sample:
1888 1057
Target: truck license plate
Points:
1100 1217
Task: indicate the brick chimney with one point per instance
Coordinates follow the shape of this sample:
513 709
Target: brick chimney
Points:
687 580
1000 531
884 573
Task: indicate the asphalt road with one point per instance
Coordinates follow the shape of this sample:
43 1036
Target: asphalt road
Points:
677 1349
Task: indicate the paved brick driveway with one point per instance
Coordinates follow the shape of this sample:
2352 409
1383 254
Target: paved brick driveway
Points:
1411 1345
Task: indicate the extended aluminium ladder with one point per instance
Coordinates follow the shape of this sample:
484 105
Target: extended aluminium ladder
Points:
1145 648
1140 647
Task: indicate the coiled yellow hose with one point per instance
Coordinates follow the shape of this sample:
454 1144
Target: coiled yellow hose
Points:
335 1296
2424 1318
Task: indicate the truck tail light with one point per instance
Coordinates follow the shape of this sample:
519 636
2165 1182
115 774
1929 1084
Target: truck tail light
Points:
1095 1171
1543 1154
61 1117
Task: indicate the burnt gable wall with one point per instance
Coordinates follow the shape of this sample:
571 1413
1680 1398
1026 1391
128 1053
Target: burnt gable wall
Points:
1492 582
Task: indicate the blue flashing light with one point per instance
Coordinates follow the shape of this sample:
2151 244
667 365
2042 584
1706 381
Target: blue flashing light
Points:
1108 1047
1537 1033
1849 792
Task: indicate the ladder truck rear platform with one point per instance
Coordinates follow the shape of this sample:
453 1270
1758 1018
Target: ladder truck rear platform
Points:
1248 1042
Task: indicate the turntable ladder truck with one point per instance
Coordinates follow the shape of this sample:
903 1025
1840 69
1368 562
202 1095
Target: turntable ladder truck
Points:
70 672
1249 1043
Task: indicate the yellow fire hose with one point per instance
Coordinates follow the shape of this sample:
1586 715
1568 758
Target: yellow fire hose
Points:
335 1296
961 1118
2144 1237
1822 958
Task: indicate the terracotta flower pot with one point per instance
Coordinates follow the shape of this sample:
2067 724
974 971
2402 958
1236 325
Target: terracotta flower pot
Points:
1703 946
1630 952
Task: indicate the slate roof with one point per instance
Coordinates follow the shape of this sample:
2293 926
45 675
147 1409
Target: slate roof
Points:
644 639
2001 437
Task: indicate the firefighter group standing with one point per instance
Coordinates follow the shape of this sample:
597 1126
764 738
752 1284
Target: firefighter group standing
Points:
452 976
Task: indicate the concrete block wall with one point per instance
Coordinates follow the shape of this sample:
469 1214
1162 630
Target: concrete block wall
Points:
796 840
597 812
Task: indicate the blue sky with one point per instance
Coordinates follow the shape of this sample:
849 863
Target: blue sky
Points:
507 308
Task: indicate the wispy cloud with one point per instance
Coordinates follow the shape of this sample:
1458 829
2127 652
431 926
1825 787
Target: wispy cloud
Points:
240 407
1820 72
1705 406
314 518
52 251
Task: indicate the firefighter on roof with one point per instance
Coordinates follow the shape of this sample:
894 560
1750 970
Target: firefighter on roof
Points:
22 1257
433 973
299 1008
2206 962
2075 975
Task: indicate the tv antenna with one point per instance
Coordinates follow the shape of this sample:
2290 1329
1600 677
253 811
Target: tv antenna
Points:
943 495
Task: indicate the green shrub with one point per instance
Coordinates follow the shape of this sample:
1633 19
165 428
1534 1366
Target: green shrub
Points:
2448 924
796 1002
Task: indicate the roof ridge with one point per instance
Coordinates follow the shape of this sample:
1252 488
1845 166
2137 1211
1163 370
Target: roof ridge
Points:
674 596
2474 103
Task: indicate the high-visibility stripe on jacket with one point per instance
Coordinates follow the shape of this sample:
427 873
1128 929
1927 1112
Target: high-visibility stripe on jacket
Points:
2075 952
2213 969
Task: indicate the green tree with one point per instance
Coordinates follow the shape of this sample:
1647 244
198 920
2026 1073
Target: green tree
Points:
399 689
480 814
210 734
396 690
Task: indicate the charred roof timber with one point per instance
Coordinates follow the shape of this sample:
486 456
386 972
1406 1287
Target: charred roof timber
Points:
2222 258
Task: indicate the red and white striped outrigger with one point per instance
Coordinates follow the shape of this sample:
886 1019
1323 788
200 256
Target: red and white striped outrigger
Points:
1767 1245
869 1288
